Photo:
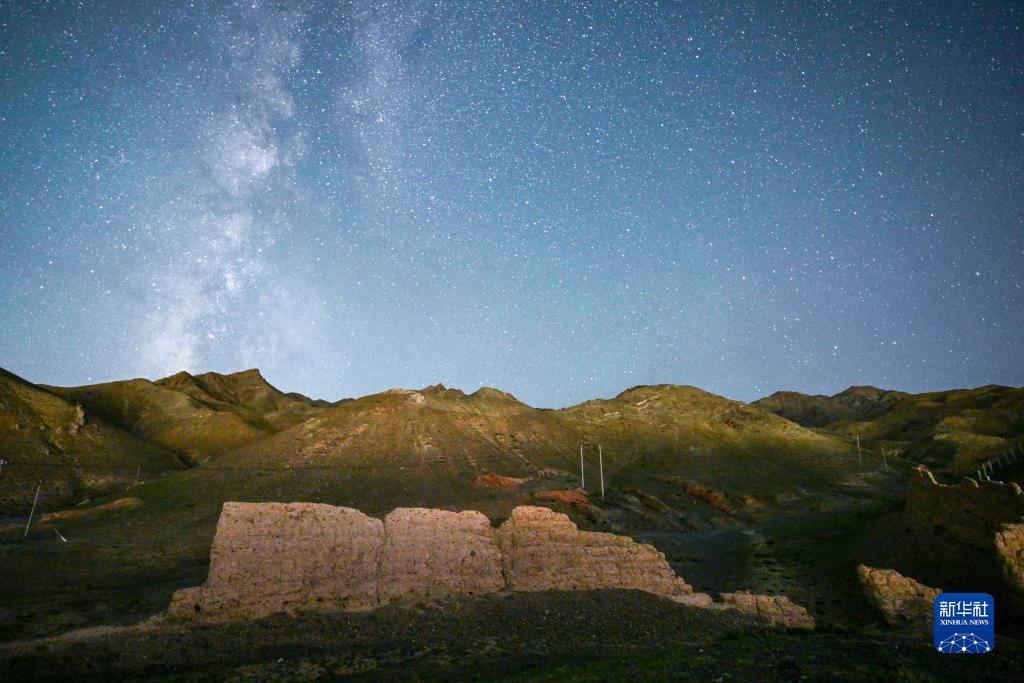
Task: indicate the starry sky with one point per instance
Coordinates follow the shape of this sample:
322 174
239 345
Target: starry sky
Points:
560 199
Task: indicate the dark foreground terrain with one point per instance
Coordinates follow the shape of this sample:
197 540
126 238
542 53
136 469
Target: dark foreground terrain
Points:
595 635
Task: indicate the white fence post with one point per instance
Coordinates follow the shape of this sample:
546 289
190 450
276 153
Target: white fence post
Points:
33 511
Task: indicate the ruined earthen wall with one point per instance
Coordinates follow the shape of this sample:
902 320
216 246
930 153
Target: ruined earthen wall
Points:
434 553
543 550
987 515
969 513
269 557
272 556
900 599
777 609
1010 554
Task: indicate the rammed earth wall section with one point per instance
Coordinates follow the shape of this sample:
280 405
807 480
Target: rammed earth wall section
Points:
269 557
988 516
272 557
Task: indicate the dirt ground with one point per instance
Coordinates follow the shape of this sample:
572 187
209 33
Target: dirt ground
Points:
593 635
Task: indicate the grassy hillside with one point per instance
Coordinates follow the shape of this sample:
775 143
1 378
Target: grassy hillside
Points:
440 440
951 430
854 403
71 451
255 399
168 418
681 431
418 445
198 417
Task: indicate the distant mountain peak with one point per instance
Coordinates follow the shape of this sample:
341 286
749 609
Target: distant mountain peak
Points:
493 394
175 379
441 391
858 402
253 373
864 389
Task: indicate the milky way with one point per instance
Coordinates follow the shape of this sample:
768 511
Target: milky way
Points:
560 199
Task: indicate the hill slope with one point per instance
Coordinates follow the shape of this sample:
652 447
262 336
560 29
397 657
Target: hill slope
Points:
432 447
682 431
258 400
198 417
855 403
71 451
951 430
427 445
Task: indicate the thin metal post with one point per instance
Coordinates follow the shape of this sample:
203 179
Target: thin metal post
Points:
30 514
885 461
583 479
138 471
860 458
600 468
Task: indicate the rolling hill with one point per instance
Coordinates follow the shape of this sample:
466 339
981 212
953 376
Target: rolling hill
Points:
854 403
436 445
72 452
682 431
197 417
952 430
255 398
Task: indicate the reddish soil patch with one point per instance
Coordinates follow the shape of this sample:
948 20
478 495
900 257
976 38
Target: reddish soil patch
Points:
563 496
715 499
498 481
750 501
113 506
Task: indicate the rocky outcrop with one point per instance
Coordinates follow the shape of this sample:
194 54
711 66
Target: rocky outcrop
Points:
777 609
270 557
543 550
901 600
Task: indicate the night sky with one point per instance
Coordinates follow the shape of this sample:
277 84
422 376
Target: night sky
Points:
560 199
